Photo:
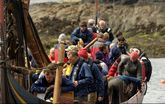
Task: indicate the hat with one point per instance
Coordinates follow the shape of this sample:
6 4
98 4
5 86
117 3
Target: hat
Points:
72 48
134 55
99 55
83 53
62 38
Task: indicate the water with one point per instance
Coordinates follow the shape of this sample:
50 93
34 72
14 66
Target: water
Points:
42 1
156 90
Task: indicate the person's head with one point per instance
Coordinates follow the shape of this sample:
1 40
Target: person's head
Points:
121 41
102 25
91 22
103 48
135 50
62 38
119 34
83 26
49 75
134 56
51 52
72 53
106 36
99 55
83 53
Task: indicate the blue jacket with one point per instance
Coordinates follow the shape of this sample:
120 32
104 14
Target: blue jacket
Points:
84 77
67 85
114 54
86 36
98 84
41 85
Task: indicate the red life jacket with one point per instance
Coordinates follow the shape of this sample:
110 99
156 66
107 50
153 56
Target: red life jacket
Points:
113 69
56 56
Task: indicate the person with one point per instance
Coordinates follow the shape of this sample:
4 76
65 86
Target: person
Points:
99 45
61 39
51 55
91 25
119 48
129 79
102 64
81 75
41 84
97 87
145 62
104 71
102 28
119 34
81 32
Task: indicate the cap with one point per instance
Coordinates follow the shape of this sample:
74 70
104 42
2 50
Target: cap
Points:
72 48
83 53
134 55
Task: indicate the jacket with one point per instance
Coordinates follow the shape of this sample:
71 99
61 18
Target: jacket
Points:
86 36
41 85
83 75
98 84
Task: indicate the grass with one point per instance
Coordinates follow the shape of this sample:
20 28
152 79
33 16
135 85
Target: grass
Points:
152 44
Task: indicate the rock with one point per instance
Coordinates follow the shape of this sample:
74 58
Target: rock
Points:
148 18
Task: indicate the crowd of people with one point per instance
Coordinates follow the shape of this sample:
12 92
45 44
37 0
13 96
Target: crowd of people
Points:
105 72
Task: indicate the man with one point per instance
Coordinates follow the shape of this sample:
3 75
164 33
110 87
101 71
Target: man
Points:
102 28
124 86
119 48
41 84
97 87
80 75
81 32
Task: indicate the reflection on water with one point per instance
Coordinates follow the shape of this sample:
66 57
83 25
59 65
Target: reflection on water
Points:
156 90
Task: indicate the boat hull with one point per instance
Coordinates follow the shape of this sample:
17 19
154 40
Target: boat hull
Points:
138 97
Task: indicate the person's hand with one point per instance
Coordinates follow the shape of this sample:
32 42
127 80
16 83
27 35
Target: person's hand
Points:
75 83
109 77
100 98
50 88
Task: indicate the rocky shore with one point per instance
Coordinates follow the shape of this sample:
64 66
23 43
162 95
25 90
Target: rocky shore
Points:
142 24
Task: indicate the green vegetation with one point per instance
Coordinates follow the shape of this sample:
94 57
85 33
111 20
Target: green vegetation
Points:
152 44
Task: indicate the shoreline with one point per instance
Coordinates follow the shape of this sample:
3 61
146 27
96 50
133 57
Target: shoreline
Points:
142 25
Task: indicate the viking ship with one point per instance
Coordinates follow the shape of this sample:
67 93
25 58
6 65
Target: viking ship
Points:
17 34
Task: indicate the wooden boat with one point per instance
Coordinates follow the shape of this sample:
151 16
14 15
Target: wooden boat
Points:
22 32
138 97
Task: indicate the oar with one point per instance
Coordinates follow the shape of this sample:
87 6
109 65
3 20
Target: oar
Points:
91 43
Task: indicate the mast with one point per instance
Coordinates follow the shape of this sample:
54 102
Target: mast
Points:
58 77
97 8
3 94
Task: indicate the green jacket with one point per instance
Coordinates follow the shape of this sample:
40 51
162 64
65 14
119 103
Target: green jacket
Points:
129 68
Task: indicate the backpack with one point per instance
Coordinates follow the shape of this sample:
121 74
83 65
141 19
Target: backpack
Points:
148 67
78 66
